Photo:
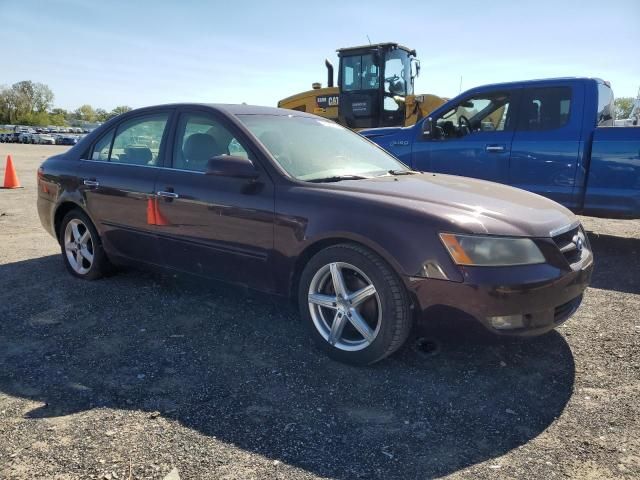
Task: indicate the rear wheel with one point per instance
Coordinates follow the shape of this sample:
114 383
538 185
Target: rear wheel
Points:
354 305
82 250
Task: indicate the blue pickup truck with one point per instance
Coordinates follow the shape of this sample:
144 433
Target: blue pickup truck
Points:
552 137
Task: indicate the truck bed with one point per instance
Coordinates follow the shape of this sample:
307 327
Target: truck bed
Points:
613 182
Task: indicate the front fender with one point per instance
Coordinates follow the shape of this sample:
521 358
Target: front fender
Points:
406 239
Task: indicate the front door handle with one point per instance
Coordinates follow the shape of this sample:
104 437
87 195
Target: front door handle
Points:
495 148
168 194
91 183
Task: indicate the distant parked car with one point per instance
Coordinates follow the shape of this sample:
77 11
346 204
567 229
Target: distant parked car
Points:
25 137
67 140
46 139
2 136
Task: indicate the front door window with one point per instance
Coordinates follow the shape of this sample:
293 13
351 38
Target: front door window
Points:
200 138
477 114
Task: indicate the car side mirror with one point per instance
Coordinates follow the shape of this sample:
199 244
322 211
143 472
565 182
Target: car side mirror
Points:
231 166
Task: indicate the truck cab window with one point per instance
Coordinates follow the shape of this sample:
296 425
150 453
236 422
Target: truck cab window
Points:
394 84
359 72
477 114
545 108
397 78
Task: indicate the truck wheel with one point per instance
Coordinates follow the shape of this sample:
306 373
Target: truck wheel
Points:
354 305
82 250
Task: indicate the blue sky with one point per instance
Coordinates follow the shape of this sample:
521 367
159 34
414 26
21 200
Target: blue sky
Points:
109 53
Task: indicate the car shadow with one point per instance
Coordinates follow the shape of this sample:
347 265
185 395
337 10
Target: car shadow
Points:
238 366
617 263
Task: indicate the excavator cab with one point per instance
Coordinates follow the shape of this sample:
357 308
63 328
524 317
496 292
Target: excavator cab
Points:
374 81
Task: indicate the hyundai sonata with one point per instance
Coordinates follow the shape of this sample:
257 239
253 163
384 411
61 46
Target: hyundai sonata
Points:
292 204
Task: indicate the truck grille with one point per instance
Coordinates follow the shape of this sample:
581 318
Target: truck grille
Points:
571 243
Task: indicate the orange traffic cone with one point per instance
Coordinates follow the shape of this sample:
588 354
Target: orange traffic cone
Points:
10 175
151 212
159 217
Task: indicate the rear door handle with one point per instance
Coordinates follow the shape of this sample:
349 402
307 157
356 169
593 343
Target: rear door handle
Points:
91 183
168 194
495 148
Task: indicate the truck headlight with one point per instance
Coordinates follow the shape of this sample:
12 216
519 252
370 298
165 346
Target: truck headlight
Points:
488 251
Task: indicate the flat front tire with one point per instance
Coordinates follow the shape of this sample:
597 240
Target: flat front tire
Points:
353 304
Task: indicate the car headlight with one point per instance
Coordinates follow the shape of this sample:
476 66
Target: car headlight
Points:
487 251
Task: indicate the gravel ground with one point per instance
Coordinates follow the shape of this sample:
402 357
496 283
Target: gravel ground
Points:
141 374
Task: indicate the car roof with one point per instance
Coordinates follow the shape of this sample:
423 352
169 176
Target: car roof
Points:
535 82
232 109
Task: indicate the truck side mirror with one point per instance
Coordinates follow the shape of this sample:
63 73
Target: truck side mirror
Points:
427 128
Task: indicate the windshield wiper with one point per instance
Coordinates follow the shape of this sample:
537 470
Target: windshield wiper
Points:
337 178
401 172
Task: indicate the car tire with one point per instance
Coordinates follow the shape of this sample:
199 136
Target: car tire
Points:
81 247
382 303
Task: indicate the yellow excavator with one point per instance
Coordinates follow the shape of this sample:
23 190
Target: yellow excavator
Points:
375 89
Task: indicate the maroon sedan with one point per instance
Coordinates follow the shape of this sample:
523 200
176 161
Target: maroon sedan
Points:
295 205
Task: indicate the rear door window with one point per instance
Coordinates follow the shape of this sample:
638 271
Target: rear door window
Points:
137 141
544 108
102 147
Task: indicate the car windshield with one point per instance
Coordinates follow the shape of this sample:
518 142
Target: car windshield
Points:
313 148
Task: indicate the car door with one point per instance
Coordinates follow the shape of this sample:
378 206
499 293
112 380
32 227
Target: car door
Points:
547 142
472 139
118 176
211 225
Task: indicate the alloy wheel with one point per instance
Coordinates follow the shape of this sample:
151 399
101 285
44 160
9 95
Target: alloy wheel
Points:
345 306
78 246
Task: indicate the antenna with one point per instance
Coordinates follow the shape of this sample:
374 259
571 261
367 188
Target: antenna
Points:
369 39
460 84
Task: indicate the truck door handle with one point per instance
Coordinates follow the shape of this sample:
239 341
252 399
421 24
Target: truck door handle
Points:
494 148
168 194
91 183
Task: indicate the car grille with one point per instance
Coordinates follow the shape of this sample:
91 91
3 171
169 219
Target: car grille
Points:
571 243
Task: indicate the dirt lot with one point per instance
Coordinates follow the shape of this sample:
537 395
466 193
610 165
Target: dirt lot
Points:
140 374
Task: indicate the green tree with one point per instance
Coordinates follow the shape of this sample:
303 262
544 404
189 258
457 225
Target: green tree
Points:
34 118
85 113
22 100
119 110
57 119
101 115
42 97
623 106
59 111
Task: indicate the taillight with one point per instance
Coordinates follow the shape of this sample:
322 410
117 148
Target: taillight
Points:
39 175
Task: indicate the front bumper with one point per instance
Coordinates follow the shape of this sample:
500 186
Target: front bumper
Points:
543 295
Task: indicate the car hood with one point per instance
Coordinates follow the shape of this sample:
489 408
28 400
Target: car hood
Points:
378 132
467 204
